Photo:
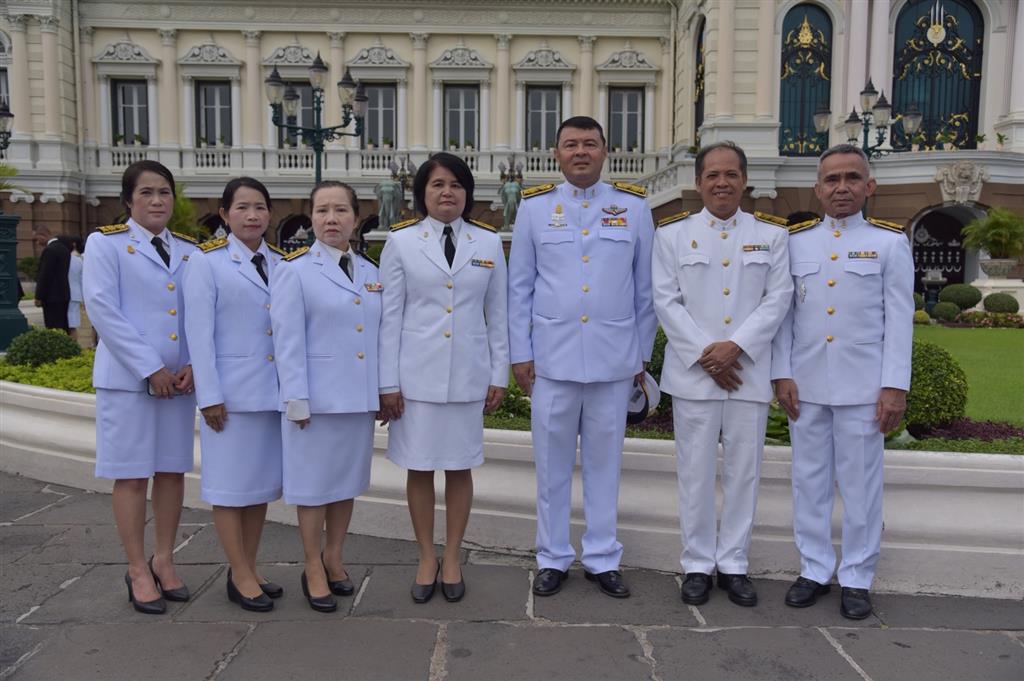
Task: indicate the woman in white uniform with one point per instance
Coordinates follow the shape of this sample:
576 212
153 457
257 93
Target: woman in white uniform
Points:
145 410
75 265
444 356
227 294
326 313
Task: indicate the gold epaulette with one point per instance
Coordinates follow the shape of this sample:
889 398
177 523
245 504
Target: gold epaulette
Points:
186 237
369 260
629 188
536 190
298 253
885 224
403 224
276 249
484 225
673 218
771 219
806 224
113 229
212 245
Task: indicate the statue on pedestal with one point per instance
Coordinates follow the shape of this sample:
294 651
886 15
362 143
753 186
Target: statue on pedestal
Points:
510 191
390 193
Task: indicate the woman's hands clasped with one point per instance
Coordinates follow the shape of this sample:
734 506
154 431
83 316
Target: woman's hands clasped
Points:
392 406
495 395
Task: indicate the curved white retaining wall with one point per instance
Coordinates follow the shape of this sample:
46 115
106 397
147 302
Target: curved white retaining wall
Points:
954 523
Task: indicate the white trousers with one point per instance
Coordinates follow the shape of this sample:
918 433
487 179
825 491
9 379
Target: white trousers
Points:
830 445
563 411
698 424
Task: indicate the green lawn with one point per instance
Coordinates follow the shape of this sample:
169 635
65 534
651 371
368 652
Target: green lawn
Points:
994 362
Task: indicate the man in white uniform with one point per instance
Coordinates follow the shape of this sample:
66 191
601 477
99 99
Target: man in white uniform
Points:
721 289
581 325
841 369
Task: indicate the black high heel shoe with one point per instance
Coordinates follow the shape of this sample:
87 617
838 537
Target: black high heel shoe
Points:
318 603
154 607
453 593
338 587
272 589
261 603
421 593
179 594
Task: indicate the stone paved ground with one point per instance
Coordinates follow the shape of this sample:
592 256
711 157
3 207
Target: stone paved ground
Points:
64 615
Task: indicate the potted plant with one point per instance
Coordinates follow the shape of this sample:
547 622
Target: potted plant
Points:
118 140
469 147
386 143
370 143
919 142
220 142
979 140
1000 140
1001 235
139 141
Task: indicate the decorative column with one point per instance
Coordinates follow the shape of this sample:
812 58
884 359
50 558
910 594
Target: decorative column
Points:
105 136
48 26
586 98
880 76
602 105
88 84
725 59
438 115
567 99
485 115
857 68
188 117
501 88
419 89
664 122
153 106
21 102
401 137
168 133
765 60
520 113
1013 125
648 118
236 110
332 104
256 108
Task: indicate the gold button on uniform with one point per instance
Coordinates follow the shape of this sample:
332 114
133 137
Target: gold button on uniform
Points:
450 285
830 310
586 232
359 328
174 336
728 320
831 282
172 312
837 233
725 263
584 319
448 309
828 338
447 334
725 235
586 258
834 256
270 358
586 289
725 291
170 286
357 301
360 355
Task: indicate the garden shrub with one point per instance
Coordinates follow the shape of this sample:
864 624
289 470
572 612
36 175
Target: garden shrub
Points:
72 373
991 320
964 296
938 388
41 346
921 317
656 365
918 301
1001 302
29 266
945 312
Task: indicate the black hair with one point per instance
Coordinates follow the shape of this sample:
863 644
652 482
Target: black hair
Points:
450 162
581 123
328 184
698 163
228 197
131 176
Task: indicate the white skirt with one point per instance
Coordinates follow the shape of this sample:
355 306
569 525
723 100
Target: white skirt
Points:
328 460
433 436
138 435
241 465
74 314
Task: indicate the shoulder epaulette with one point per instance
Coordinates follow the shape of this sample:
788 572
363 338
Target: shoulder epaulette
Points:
369 260
484 225
536 190
806 224
885 224
673 218
771 219
186 237
403 224
113 229
634 189
212 245
298 253
276 249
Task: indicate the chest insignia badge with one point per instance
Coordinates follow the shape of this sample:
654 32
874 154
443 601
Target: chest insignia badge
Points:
374 287
861 255
755 248
131 249
477 262
613 222
693 244
557 218
614 210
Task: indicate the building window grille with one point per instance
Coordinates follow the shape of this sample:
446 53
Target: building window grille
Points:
543 114
130 108
625 118
379 126
806 79
213 113
461 115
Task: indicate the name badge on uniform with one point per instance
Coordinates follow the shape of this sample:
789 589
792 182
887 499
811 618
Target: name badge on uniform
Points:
861 255
374 287
477 262
613 222
755 248
185 258
557 218
614 210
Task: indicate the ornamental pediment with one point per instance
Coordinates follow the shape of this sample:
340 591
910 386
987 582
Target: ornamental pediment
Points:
460 57
209 54
290 55
544 59
124 52
378 56
627 59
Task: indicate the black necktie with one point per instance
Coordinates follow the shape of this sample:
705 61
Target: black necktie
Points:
449 245
158 244
343 263
257 260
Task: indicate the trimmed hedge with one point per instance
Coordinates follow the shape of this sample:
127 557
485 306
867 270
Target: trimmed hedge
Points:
1001 302
41 346
964 296
945 311
991 320
938 388
921 317
73 373
918 301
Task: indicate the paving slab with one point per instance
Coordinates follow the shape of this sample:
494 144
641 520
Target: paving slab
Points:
101 596
19 483
17 641
14 505
654 601
949 612
492 593
502 652
18 540
212 605
748 654
898 655
367 650
27 586
75 509
92 544
164 651
360 548
279 544
771 609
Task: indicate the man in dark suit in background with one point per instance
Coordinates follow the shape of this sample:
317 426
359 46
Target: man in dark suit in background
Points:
52 290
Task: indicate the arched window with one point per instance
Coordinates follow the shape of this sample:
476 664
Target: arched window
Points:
698 84
806 79
937 67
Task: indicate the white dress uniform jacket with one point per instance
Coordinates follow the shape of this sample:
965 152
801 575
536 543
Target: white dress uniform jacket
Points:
718 280
231 346
444 331
139 334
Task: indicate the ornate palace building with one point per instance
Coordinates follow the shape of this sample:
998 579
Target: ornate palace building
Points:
95 85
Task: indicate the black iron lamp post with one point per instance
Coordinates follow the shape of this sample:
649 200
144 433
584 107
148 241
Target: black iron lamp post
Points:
285 100
876 112
12 321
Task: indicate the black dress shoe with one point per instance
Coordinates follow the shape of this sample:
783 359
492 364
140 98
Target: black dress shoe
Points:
179 594
261 603
609 582
318 603
272 589
804 592
856 603
421 593
338 587
741 589
696 589
154 607
453 593
548 581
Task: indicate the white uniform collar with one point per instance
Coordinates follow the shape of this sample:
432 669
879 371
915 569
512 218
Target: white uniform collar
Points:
438 227
571 191
840 224
262 249
717 223
334 253
145 235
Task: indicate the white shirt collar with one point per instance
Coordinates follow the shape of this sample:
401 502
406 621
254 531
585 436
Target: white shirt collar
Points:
262 249
843 223
334 253
591 192
438 228
147 235
717 223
